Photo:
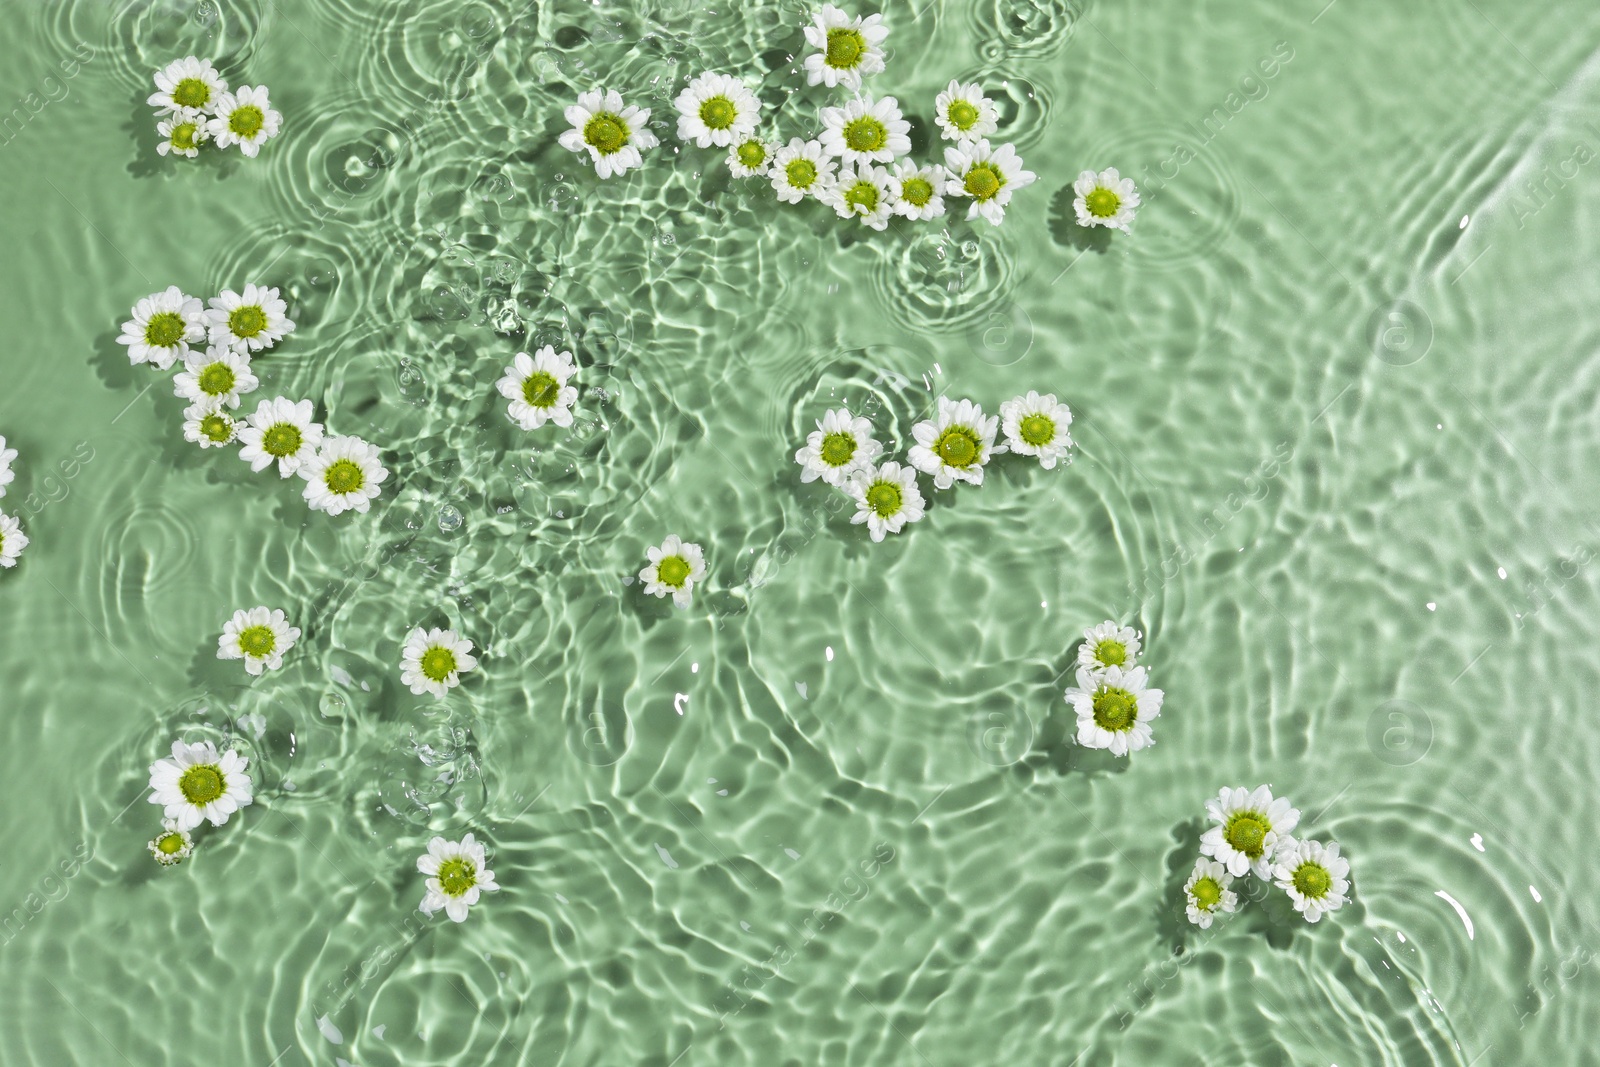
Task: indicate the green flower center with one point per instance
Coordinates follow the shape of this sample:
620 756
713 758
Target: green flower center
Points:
916 191
862 194
866 134
438 664
958 446
845 48
165 329
183 135
191 92
838 449
983 181
1038 430
1111 653
1115 709
258 641
217 427
884 499
1247 832
247 321
344 476
456 876
1312 880
800 173
605 133
169 844
1207 893
672 571
217 379
752 154
718 113
246 121
281 439
1102 203
962 114
201 784
541 389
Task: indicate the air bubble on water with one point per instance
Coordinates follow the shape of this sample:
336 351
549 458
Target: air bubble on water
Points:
450 518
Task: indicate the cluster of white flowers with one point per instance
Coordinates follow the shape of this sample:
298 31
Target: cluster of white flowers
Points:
196 784
194 107
1113 700
12 539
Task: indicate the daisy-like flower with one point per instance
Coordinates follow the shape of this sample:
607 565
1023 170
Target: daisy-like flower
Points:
1108 645
344 475
751 157
673 570
458 874
537 387
163 326
964 113
221 375
433 661
838 448
801 169
955 445
187 84
848 49
613 135
1250 828
1036 425
1114 709
199 784
183 133
250 321
1206 894
7 475
865 131
886 498
988 175
209 424
244 118
1104 199
173 845
259 636
716 111
862 191
12 540
1314 875
282 432
917 192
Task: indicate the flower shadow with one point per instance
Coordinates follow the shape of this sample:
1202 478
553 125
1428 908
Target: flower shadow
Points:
1057 742
1172 923
1064 228
111 359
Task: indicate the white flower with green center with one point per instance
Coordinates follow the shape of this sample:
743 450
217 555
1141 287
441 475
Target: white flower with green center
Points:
187 84
12 540
964 113
1104 199
345 474
537 387
259 636
248 321
987 175
244 118
716 111
1206 894
1108 645
1036 426
801 169
840 446
751 157
955 445
221 375
209 424
1314 875
7 475
862 191
163 327
1114 709
198 784
458 873
886 498
281 431
172 845
612 135
1250 828
674 569
183 133
865 131
433 661
847 49
917 192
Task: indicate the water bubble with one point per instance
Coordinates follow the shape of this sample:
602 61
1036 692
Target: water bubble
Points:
450 518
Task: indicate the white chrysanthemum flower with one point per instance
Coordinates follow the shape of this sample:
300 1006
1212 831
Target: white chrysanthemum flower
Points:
283 432
917 192
12 540
208 423
1036 425
964 113
248 321
716 110
458 873
163 326
801 169
988 175
172 845
187 84
221 375
244 118
847 49
1314 875
1250 828
955 445
886 498
862 191
199 784
673 570
1105 199
7 475
258 636
613 135
433 661
344 475
865 131
839 447
1206 894
1114 709
182 133
1109 645
537 387
752 157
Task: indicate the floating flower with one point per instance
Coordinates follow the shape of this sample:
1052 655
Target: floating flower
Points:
1114 709
7 475
751 157
716 110
220 375
12 540
173 845
187 84
673 570
964 113
537 388
801 169
457 873
258 636
1108 645
838 448
1250 827
1314 875
989 175
613 135
163 326
1036 425
955 445
244 118
343 475
1104 199
434 661
886 498
917 192
283 432
183 133
866 131
208 423
199 784
1206 893
848 49
250 321
862 191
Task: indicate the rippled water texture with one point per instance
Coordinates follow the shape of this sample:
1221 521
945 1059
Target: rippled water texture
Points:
1338 424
